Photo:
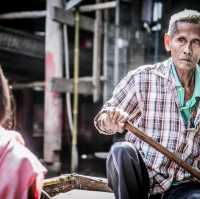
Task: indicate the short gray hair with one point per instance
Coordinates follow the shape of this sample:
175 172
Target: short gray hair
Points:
190 16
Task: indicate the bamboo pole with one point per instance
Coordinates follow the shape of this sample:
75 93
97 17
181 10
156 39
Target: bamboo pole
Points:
144 137
74 151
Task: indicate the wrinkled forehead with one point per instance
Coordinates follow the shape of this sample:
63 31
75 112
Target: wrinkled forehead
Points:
182 27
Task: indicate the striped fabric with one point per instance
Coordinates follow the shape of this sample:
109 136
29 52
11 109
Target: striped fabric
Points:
148 94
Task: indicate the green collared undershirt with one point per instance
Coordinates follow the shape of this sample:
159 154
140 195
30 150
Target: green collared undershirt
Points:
186 107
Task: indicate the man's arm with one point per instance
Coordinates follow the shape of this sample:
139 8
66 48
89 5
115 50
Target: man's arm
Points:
116 111
111 121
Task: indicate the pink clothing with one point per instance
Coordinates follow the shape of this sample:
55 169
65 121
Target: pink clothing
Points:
20 170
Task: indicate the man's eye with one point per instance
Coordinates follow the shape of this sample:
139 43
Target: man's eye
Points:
181 40
196 42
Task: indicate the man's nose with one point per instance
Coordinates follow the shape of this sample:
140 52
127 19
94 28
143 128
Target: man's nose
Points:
188 49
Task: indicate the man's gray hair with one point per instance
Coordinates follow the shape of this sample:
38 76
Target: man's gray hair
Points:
190 16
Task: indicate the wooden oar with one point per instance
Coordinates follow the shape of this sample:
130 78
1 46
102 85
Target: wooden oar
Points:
171 156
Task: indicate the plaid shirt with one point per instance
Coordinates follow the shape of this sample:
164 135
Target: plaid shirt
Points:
148 94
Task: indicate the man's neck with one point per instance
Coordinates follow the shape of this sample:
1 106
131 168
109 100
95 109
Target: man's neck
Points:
187 79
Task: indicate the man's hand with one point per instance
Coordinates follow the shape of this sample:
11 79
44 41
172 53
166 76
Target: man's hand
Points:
113 121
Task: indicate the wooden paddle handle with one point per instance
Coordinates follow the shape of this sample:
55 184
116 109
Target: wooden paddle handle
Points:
171 156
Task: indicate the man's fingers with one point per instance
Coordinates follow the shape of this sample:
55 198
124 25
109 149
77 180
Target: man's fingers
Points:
116 117
123 118
113 120
111 114
121 127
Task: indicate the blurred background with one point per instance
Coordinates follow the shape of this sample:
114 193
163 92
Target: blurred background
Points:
47 44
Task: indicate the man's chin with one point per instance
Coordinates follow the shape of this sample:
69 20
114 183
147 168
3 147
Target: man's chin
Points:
185 65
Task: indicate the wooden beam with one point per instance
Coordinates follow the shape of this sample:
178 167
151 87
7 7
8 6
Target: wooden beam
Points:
42 13
32 85
21 43
67 182
23 15
63 85
67 17
98 6
72 3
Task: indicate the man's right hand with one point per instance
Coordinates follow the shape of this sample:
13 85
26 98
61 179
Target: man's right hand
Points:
113 121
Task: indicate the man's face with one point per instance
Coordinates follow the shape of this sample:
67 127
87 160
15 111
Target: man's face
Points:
184 45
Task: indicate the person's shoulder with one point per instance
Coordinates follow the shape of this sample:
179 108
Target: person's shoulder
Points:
143 69
159 68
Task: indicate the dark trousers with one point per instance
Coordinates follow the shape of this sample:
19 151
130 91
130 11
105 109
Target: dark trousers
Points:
128 176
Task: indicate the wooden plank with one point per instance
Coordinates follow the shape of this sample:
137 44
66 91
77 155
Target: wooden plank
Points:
66 85
98 6
78 194
21 43
72 3
68 182
23 15
67 17
32 85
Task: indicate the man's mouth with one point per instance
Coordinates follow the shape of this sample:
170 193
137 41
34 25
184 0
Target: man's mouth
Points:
186 60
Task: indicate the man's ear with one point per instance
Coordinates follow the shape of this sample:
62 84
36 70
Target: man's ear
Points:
167 42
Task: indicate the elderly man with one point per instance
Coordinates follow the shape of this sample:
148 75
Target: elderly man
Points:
163 101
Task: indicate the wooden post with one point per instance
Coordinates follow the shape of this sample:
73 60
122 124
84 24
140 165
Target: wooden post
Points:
27 116
106 90
116 50
53 99
97 56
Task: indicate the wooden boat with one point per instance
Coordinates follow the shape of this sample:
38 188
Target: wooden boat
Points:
75 186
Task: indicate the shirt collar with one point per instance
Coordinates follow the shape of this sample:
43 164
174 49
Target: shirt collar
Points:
175 75
180 89
197 80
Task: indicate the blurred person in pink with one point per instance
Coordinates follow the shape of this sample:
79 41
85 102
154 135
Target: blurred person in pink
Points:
21 173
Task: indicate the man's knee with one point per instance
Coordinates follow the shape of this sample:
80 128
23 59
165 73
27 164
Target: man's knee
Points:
194 195
123 150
